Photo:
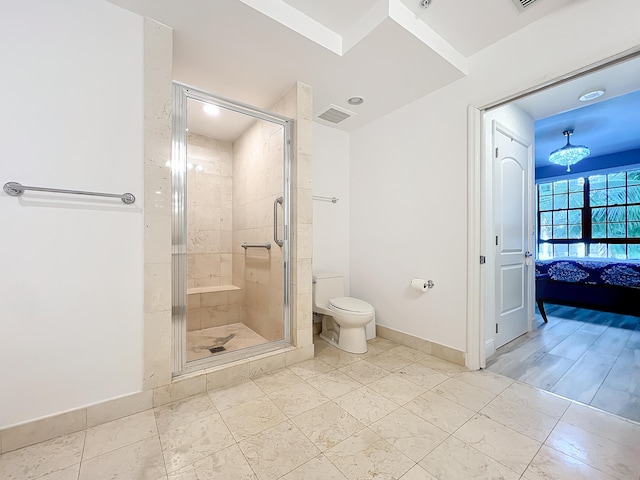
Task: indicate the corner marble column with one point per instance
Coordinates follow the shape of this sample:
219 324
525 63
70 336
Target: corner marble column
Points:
157 204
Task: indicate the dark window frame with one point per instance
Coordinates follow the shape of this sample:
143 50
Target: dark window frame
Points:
586 210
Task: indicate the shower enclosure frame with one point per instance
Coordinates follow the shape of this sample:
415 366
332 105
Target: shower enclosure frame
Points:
181 94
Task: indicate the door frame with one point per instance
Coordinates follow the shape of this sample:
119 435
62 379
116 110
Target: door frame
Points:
478 215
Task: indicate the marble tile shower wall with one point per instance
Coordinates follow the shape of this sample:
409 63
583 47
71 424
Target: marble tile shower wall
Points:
209 211
258 181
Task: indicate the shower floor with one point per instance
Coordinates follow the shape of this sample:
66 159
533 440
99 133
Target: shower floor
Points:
231 337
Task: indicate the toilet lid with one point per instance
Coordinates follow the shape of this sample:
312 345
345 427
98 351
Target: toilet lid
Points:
350 304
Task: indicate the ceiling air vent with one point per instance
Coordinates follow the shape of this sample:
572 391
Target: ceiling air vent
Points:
335 114
522 4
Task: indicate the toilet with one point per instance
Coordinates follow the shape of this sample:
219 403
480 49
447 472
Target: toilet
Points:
347 322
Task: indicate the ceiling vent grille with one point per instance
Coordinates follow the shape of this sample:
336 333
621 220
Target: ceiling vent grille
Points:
522 4
335 114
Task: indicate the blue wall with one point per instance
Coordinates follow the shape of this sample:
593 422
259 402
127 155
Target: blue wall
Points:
590 165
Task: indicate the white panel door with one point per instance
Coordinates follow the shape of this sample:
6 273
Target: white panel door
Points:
511 184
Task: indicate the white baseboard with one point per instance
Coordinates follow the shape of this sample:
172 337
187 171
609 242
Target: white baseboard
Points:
489 348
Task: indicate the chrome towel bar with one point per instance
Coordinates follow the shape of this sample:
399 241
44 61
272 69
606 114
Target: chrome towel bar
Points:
246 245
15 190
325 199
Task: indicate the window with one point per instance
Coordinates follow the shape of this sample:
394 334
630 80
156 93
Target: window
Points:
598 216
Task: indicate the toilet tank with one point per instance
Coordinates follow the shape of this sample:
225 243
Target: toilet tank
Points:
326 285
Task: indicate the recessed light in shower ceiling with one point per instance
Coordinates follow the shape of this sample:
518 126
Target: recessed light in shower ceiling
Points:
211 110
356 101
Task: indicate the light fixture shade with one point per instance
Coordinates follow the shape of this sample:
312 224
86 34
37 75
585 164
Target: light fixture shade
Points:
569 154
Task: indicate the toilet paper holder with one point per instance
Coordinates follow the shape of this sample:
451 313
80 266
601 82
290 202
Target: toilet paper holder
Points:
421 284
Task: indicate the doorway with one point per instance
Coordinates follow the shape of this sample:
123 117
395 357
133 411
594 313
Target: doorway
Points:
577 345
230 251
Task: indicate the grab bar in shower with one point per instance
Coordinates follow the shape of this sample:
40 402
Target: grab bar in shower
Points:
277 201
246 245
15 190
325 199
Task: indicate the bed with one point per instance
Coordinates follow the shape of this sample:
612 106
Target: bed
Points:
600 284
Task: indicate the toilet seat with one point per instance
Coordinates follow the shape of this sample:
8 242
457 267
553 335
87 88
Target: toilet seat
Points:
351 306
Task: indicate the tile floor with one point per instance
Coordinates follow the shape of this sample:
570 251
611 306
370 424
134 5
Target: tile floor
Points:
393 413
580 355
200 341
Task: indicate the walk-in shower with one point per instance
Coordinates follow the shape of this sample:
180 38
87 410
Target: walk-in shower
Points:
230 248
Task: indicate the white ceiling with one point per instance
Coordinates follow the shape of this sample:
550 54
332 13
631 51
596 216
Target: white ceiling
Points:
391 52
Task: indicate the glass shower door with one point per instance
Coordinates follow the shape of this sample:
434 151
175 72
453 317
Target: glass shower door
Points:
231 211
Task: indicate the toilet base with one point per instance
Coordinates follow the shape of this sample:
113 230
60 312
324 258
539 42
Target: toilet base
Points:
353 342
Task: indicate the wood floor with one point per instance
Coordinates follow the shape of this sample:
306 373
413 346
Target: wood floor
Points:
588 356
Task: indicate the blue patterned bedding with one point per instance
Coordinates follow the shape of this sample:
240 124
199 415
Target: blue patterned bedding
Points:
590 271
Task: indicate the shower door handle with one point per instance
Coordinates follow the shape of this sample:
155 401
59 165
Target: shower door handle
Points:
277 201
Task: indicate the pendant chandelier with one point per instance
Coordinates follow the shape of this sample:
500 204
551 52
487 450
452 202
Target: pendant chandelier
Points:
569 154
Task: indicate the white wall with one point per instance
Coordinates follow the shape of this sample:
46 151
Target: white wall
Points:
331 221
409 174
71 288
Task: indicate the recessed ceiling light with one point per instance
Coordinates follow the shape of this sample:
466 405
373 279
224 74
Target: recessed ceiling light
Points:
356 101
211 109
592 95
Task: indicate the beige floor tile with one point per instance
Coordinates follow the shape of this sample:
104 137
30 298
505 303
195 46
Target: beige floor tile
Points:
277 450
371 351
252 417
311 368
334 384
488 381
327 425
185 411
421 375
191 442
418 473
504 445
366 405
549 464
600 453
409 353
443 413
441 365
69 473
318 468
536 399
227 464
397 388
235 395
119 433
272 381
412 435
463 393
382 343
390 361
529 422
364 372
454 459
43 458
603 424
335 357
297 399
142 461
366 455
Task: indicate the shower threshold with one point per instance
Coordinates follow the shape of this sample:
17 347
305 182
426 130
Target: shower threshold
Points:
215 341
